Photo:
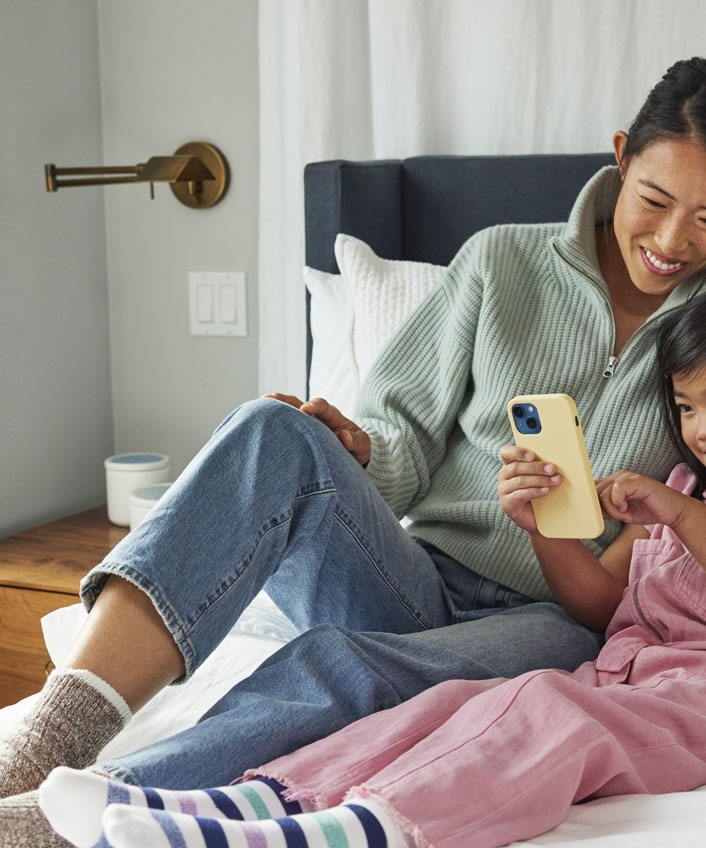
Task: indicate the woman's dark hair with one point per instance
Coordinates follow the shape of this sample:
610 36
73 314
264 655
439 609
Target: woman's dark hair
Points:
675 108
681 349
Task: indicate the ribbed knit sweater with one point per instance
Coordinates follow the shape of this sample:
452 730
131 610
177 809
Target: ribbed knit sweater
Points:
522 309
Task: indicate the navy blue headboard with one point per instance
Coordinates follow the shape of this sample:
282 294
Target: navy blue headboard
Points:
424 208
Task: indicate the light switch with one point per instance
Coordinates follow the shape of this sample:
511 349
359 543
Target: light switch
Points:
228 303
217 303
204 303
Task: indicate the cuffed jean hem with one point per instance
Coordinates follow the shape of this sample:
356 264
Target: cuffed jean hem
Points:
94 582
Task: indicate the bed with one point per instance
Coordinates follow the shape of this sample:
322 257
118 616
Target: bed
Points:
378 236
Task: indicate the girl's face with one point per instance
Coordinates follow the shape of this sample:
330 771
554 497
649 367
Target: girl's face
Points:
660 216
690 398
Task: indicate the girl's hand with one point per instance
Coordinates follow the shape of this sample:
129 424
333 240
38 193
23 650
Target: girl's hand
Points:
635 499
522 479
349 434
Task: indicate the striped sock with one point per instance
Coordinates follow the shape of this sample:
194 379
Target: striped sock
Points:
362 824
73 802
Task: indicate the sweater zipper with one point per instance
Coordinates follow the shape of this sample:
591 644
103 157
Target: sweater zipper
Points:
612 363
613 360
609 370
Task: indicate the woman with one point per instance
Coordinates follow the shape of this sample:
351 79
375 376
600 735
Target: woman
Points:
273 499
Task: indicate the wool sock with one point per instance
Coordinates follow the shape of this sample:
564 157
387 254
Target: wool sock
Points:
73 801
23 825
364 824
75 716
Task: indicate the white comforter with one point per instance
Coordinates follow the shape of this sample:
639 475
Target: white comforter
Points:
636 821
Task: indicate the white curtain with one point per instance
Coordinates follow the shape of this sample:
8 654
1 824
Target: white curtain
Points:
365 79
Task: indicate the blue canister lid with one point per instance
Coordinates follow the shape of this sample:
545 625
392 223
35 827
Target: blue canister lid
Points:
137 461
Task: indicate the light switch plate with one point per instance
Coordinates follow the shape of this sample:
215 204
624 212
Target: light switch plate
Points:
217 303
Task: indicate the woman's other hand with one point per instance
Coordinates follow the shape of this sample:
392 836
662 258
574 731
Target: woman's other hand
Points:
349 434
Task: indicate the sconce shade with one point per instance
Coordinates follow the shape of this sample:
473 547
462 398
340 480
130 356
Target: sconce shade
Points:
173 169
197 173
201 194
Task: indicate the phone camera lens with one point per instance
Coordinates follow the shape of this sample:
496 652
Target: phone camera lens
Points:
532 423
518 411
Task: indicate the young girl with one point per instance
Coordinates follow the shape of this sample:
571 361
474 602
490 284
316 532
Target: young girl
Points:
484 763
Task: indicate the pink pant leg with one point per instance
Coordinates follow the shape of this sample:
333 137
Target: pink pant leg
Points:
508 764
325 770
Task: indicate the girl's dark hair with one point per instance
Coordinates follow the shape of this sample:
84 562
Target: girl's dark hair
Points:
675 108
681 349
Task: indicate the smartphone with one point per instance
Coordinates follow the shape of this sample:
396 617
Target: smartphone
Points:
549 426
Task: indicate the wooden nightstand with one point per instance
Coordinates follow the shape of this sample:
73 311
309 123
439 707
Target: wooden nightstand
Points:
40 570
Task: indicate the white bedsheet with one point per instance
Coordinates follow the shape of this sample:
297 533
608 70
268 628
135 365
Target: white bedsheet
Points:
636 821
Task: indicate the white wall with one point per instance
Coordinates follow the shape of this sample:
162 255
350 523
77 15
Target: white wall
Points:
55 405
174 71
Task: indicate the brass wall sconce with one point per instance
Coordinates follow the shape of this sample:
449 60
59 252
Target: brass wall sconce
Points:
197 174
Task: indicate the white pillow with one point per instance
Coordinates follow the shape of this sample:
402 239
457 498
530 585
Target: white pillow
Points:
353 314
332 374
383 293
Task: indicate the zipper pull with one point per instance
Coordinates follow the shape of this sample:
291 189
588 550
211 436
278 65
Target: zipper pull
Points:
609 370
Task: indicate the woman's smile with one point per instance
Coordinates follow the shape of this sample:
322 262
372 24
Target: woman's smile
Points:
661 265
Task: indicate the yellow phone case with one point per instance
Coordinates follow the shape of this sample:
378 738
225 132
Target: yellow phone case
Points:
572 510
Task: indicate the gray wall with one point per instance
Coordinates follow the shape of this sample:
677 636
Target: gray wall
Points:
55 393
95 351
174 71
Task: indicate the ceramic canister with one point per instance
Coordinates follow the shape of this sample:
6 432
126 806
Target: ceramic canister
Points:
126 472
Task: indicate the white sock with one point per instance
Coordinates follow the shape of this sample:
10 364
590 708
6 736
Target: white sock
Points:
357 825
73 801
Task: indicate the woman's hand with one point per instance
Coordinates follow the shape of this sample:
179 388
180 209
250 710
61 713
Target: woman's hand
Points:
522 479
349 434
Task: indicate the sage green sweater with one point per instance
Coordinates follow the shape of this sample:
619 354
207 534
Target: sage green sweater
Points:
522 309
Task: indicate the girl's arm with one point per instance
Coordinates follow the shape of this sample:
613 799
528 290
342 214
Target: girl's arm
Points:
630 497
589 588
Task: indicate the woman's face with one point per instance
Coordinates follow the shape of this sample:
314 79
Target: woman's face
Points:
660 216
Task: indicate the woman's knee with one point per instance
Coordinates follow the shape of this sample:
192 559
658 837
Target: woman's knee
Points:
259 412
269 420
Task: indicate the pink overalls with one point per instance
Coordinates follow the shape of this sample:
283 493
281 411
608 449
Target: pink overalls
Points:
483 763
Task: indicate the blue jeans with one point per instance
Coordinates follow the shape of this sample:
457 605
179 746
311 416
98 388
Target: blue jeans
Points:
274 500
